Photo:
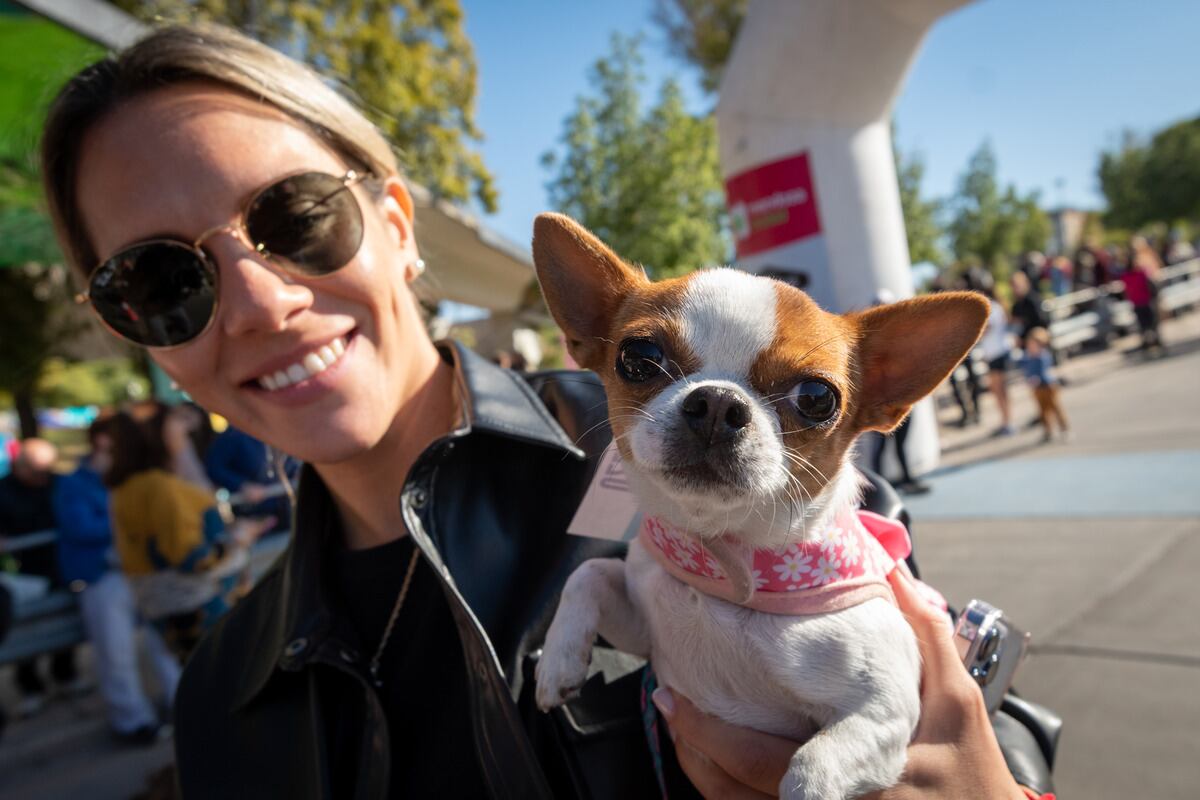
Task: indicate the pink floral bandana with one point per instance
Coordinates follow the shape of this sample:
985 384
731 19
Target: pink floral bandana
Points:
846 564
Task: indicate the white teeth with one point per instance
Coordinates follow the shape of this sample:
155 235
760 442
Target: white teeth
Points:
312 364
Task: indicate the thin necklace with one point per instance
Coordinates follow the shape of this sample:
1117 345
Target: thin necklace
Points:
391 623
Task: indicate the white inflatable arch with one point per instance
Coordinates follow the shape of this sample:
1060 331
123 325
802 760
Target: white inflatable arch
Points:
803 117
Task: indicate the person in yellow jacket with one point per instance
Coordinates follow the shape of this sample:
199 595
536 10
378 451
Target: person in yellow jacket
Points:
184 561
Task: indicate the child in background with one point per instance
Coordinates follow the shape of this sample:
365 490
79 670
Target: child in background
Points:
1038 366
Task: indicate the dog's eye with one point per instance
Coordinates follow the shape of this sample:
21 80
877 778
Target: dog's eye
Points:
640 360
815 400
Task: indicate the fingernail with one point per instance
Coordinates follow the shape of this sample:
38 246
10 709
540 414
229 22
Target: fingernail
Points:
664 701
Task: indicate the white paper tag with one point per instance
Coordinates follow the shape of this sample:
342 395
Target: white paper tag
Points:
609 510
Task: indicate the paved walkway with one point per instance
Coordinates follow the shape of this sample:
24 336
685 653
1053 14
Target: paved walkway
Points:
1094 546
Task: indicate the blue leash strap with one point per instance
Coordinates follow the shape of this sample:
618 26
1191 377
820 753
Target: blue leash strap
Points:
650 726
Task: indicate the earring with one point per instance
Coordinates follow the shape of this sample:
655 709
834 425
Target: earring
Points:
418 268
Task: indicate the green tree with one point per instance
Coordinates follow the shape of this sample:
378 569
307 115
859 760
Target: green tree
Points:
408 62
1156 181
35 320
98 382
920 216
646 181
34 324
990 225
701 32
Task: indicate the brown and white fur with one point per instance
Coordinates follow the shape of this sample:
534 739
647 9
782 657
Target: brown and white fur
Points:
853 675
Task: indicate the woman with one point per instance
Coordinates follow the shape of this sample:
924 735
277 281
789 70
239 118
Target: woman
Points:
106 604
389 651
1140 284
184 564
995 347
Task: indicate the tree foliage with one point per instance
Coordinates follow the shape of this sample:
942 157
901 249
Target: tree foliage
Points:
921 225
989 225
646 180
1155 181
36 56
99 382
408 62
34 324
701 32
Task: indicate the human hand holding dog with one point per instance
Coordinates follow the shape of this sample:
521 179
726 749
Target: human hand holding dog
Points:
954 753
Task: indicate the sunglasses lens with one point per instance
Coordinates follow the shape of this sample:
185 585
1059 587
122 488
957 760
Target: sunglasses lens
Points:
156 294
311 220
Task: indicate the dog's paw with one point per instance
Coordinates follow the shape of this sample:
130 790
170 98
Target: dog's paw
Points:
803 782
560 675
816 773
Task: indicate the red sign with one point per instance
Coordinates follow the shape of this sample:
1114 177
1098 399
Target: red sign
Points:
772 204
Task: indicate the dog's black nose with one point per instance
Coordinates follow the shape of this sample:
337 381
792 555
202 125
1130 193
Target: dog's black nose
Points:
715 413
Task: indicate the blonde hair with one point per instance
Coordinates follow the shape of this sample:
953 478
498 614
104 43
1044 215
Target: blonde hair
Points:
183 54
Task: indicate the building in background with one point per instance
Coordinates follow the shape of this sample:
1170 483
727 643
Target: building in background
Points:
1066 230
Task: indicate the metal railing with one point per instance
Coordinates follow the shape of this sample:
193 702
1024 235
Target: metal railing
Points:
1093 315
50 622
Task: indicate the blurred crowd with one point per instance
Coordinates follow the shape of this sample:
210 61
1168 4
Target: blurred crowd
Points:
1017 336
146 537
1021 326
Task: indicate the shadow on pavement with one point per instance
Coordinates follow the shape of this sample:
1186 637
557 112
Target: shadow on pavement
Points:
1018 444
1137 357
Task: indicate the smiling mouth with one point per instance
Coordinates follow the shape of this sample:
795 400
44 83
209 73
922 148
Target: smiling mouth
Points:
311 365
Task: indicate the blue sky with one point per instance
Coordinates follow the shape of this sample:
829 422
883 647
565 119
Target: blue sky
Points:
1050 82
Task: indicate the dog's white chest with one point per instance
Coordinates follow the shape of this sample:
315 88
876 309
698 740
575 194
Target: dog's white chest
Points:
779 674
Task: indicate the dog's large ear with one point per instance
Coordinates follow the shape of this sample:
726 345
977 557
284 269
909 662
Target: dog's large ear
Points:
906 349
583 282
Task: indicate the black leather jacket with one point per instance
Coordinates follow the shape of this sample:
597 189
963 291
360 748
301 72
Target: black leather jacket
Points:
488 506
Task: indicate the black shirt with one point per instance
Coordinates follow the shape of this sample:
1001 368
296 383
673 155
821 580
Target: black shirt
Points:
422 671
25 509
29 509
1027 311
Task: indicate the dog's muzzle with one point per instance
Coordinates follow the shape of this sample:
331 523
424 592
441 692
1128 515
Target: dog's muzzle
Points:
709 448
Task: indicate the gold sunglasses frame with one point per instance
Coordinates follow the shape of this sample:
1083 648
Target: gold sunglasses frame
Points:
239 230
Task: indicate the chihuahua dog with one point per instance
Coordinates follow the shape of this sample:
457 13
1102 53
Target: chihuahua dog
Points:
754 587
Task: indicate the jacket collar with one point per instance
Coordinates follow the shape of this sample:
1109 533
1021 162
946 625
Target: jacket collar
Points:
501 402
297 619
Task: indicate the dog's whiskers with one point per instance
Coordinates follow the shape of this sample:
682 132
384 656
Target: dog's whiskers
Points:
635 409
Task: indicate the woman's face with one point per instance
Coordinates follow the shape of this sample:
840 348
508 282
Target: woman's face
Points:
180 161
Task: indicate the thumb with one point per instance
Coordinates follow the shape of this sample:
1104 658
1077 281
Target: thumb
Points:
935 635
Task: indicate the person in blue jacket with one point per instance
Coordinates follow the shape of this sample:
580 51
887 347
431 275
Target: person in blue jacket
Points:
88 565
239 463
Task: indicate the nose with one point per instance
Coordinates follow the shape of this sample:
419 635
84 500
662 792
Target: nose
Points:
256 296
715 413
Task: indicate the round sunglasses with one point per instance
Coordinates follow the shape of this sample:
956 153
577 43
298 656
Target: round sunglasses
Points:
163 292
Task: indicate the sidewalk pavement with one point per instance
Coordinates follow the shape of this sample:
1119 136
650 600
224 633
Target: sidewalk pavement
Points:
1093 545
66 752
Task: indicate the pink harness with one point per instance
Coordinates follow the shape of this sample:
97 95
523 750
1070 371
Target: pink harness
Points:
845 565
